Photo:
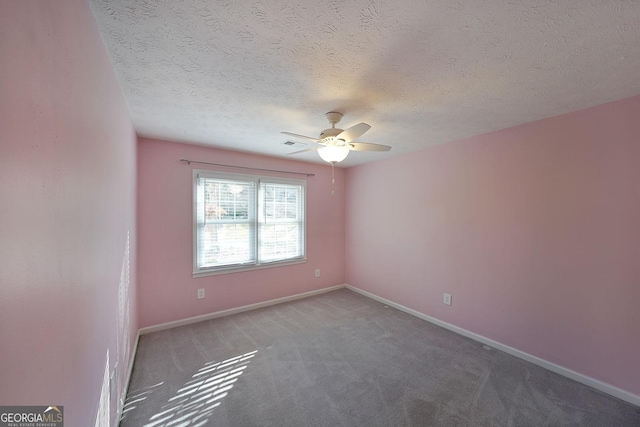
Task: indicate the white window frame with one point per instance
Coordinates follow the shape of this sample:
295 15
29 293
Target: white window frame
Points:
257 179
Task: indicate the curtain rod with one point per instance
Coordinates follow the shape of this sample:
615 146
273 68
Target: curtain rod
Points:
245 167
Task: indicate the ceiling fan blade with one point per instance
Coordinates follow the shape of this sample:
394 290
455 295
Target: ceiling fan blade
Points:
300 136
305 150
365 146
353 132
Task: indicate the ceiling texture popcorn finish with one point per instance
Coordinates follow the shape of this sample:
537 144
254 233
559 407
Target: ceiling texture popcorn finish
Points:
233 74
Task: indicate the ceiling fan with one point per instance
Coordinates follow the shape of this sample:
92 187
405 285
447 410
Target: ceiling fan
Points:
334 144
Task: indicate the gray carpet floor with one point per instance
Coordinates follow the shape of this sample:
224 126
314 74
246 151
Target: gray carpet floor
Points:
341 359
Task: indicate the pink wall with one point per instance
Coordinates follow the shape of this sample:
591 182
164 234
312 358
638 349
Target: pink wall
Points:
67 195
167 291
534 230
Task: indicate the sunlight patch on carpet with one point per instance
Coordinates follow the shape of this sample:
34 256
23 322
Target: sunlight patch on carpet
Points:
195 401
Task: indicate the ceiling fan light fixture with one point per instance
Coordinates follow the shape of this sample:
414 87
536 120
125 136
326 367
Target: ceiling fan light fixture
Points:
334 153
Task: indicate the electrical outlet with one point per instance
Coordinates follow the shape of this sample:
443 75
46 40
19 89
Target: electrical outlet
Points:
317 272
201 293
446 299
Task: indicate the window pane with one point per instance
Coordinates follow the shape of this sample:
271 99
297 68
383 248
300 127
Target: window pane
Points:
281 222
224 244
280 241
281 202
226 227
227 200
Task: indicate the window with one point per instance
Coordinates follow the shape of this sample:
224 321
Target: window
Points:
245 221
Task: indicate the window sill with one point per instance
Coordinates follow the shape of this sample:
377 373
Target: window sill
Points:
230 270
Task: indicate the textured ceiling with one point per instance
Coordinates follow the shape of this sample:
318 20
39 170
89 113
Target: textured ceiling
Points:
233 74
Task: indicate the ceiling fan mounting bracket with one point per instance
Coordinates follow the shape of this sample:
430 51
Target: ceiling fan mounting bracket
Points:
328 135
333 117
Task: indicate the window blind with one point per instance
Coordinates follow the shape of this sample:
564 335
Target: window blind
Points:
281 226
226 224
243 221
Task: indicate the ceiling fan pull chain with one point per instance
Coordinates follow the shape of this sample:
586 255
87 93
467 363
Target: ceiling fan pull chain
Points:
333 178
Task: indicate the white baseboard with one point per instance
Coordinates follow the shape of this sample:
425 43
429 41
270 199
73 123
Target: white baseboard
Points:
121 399
215 315
576 376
